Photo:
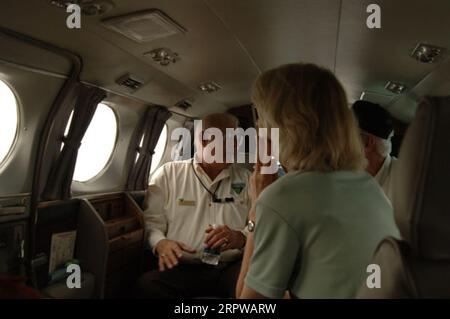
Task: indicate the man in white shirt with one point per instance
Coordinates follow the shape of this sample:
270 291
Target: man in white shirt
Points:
185 200
376 128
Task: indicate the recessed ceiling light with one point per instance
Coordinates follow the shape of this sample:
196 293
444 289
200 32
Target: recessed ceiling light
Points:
88 7
163 56
426 53
144 26
59 3
209 87
96 8
395 87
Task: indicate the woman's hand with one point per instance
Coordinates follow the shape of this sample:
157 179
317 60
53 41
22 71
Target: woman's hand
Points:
258 182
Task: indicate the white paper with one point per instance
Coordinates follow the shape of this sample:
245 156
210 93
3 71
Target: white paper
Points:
61 249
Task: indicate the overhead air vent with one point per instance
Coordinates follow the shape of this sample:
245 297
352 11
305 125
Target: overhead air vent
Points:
377 98
426 53
395 87
184 104
130 82
144 26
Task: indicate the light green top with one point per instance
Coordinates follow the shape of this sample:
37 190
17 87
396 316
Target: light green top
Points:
316 234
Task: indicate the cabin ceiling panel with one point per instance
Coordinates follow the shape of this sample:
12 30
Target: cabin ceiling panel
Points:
368 58
231 41
283 31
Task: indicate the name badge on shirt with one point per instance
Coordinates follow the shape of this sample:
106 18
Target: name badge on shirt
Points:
238 187
184 202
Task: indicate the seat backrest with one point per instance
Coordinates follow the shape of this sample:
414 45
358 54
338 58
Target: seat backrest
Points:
419 266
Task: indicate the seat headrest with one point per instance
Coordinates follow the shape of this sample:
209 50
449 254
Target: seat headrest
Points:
421 182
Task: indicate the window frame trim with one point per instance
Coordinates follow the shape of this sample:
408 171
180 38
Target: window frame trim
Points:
8 156
109 161
166 127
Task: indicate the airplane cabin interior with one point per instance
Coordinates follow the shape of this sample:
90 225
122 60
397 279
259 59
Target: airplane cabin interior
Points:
89 105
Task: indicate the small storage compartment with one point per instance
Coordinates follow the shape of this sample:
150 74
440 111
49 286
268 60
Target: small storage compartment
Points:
58 217
126 240
52 218
124 227
121 226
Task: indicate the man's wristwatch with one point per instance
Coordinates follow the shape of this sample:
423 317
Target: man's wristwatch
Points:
251 226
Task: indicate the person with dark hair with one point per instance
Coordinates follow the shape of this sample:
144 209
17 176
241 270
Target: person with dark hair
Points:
376 129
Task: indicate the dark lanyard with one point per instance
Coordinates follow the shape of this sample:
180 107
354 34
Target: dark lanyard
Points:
213 195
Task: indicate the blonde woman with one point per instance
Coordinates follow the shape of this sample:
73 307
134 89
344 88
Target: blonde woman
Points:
316 228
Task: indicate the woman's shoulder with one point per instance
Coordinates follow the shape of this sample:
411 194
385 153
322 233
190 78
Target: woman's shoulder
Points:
286 188
310 180
307 187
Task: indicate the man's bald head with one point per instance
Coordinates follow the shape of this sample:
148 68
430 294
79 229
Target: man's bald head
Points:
222 121
214 126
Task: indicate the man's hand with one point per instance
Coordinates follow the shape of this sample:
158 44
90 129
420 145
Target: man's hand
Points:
224 238
169 251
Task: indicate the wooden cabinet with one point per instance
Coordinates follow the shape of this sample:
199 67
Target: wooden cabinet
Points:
124 229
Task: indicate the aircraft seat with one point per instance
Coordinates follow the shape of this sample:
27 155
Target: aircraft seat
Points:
418 266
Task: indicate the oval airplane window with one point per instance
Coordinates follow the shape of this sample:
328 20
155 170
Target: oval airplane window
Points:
8 120
159 150
97 145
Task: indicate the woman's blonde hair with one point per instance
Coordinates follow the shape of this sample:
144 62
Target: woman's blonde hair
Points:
317 129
